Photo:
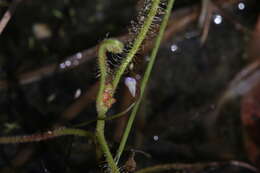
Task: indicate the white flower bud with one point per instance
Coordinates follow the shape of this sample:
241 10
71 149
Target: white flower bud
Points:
131 85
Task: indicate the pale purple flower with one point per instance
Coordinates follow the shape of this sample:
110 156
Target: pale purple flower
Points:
131 85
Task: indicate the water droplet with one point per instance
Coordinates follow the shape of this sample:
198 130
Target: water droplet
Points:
131 85
51 98
131 66
241 6
142 18
68 63
44 167
49 132
155 137
174 48
41 31
217 19
77 93
62 65
79 55
138 76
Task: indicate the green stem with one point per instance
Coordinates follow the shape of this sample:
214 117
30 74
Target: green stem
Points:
137 43
113 46
109 45
37 137
76 132
104 146
145 79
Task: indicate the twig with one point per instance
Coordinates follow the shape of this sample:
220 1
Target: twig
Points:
196 166
36 75
8 15
206 22
46 135
183 18
75 108
22 156
204 12
126 99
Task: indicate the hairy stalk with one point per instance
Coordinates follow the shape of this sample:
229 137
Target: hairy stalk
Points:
46 135
145 79
104 146
102 103
138 41
109 45
105 97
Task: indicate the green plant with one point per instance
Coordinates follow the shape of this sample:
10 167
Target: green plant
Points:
109 80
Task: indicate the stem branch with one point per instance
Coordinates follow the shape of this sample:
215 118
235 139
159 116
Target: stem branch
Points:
145 79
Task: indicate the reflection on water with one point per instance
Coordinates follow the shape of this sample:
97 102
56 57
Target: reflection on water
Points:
62 65
74 60
241 6
77 93
51 98
217 19
79 55
67 63
174 47
155 138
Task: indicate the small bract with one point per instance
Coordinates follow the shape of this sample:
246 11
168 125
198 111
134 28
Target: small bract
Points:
131 85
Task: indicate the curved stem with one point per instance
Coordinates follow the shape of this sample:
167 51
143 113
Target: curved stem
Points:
145 79
137 43
113 46
109 45
46 135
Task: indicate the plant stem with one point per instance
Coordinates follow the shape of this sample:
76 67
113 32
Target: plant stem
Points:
145 79
104 146
110 45
101 108
76 132
113 46
37 137
137 43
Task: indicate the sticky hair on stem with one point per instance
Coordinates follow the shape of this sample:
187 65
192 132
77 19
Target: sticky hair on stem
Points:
50 134
113 46
138 41
138 26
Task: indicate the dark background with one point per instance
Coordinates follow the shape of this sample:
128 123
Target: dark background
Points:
182 95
